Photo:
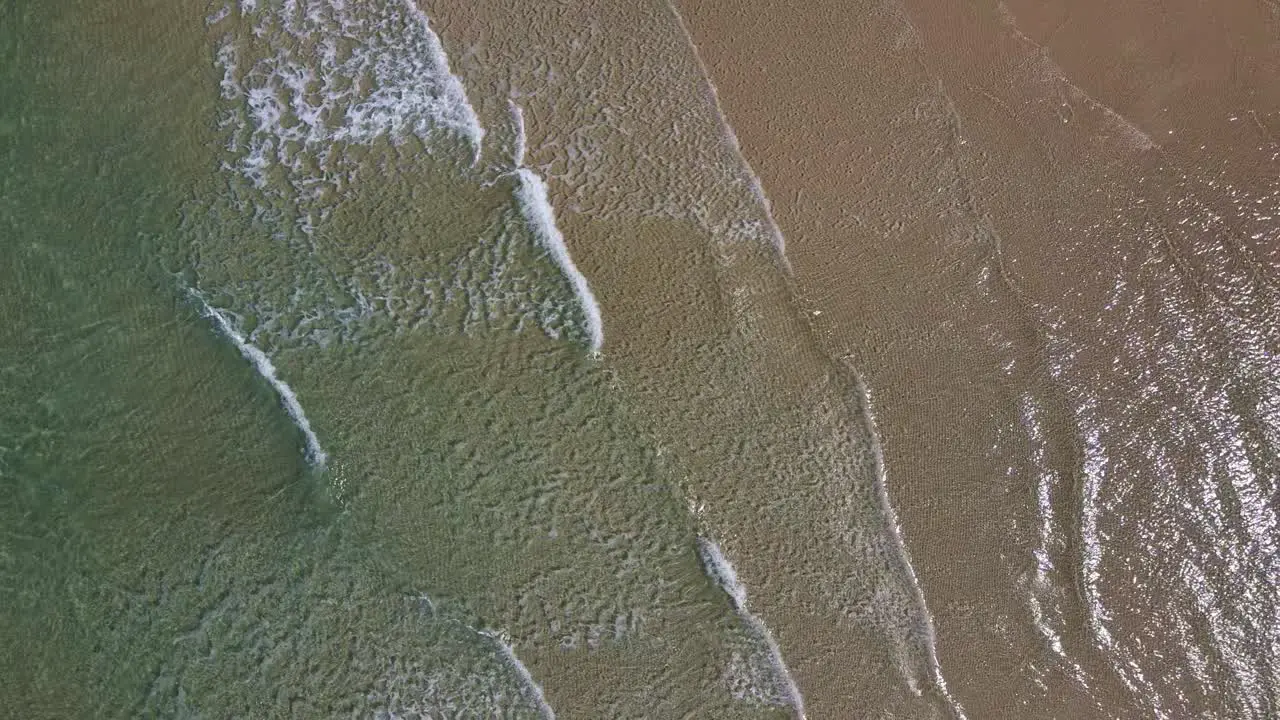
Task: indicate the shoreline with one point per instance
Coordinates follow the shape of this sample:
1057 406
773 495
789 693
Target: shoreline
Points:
955 201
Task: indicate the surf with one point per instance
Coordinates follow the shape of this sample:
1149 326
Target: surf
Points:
314 453
723 574
531 196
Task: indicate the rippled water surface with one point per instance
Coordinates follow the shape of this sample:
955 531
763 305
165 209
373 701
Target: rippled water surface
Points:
408 359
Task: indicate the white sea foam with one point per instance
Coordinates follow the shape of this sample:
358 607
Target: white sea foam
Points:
304 94
895 533
218 15
531 194
456 91
521 142
731 139
315 454
539 698
721 571
451 108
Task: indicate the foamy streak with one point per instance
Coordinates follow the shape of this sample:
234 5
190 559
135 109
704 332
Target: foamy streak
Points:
455 90
757 189
315 455
1140 139
531 194
895 533
509 652
722 573
517 117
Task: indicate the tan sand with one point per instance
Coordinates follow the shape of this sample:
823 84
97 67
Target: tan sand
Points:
947 177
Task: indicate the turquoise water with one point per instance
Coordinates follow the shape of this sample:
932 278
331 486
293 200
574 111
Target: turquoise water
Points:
478 516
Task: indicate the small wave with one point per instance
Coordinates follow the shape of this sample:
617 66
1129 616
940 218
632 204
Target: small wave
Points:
721 572
531 194
539 698
731 140
894 529
315 454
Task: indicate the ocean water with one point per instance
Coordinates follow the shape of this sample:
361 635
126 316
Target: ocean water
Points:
309 410
396 359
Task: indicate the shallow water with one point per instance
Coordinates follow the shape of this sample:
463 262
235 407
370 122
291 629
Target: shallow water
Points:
376 359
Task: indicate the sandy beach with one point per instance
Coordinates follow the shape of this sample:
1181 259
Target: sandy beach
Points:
960 186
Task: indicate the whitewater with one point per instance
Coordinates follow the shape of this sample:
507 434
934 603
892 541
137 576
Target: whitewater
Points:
508 651
297 101
723 574
260 362
538 212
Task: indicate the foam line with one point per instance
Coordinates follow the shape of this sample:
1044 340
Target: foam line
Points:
1140 139
539 697
531 194
721 572
521 144
731 138
895 534
315 454
467 119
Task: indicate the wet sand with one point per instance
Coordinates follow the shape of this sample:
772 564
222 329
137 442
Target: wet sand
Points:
966 192
763 431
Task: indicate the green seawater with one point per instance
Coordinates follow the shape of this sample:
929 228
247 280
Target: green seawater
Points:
166 548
